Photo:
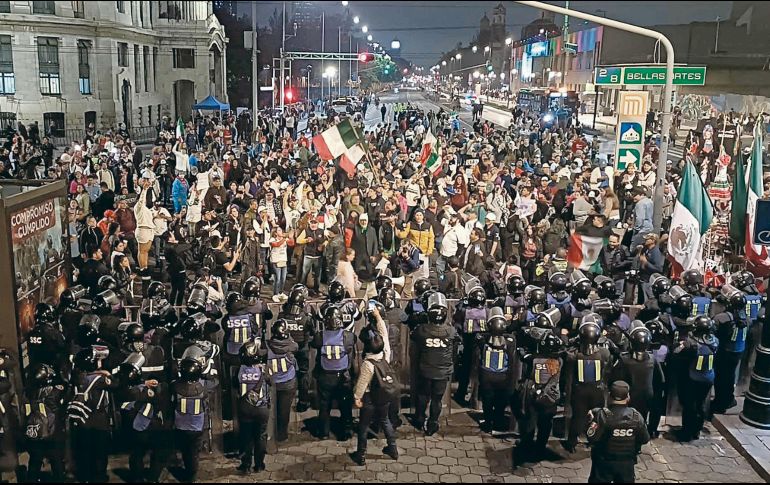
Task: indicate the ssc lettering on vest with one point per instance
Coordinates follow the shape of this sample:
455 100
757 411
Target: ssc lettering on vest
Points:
623 433
250 377
238 322
292 326
435 343
36 340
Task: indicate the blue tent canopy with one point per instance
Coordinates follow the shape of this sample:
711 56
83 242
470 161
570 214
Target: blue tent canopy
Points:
212 104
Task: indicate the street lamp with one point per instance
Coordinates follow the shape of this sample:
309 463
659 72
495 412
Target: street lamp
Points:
508 41
458 56
396 44
345 3
476 74
356 19
474 49
487 48
369 37
364 29
443 63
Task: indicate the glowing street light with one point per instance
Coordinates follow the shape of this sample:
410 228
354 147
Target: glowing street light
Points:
369 37
345 3
364 29
443 63
487 48
458 56
476 74
508 41
474 48
330 71
396 44
356 19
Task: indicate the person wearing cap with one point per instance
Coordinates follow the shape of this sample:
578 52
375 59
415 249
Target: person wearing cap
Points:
616 434
492 235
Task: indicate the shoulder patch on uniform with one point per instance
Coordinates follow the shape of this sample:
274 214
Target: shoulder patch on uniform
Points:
592 429
59 387
150 393
107 381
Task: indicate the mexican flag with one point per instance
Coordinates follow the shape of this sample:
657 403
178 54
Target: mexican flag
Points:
428 143
340 141
738 211
583 252
691 219
756 255
179 129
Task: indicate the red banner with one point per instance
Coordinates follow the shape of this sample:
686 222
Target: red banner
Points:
33 220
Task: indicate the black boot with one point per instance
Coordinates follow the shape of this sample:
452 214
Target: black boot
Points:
359 458
391 451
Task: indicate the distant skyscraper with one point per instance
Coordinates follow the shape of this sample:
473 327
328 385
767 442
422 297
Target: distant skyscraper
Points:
306 14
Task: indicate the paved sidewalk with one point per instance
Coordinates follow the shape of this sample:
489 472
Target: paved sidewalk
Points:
752 443
460 453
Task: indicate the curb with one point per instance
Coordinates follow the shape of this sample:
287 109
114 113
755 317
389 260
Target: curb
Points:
762 469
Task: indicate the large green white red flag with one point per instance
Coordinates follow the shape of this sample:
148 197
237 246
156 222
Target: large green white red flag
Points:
693 213
340 141
756 255
583 252
428 142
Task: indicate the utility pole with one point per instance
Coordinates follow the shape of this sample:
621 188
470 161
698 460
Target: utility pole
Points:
283 48
339 63
668 91
323 50
254 63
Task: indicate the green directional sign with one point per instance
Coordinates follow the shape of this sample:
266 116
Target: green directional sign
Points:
649 75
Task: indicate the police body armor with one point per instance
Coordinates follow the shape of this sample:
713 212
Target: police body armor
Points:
494 356
334 357
475 320
588 368
280 367
576 316
702 367
295 325
557 303
143 412
700 305
239 330
252 387
543 369
753 305
620 430
734 340
190 412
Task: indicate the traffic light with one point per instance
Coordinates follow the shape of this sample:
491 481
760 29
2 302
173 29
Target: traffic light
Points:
289 95
365 57
489 67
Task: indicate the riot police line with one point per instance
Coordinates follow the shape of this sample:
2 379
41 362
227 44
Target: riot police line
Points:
167 379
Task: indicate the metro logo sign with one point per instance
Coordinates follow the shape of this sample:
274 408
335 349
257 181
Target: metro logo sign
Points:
629 136
648 75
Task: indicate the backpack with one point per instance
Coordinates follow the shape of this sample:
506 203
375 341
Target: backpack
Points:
80 410
384 385
39 422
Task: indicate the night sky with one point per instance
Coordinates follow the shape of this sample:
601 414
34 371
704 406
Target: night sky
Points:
436 27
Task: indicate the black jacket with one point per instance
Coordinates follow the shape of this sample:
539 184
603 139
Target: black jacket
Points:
615 262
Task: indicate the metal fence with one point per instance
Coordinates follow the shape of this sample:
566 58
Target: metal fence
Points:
141 135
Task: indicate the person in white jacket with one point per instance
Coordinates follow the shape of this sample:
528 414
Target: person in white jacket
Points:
182 158
145 226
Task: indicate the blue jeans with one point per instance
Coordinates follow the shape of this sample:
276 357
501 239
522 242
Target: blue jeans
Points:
308 263
280 279
440 266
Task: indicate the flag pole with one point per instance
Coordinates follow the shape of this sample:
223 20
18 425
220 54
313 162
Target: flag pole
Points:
365 143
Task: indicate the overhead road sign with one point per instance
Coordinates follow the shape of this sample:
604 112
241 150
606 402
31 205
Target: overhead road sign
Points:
648 75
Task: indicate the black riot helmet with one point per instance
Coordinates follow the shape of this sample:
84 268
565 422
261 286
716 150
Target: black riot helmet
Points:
692 280
558 283
251 287
590 329
131 337
426 296
297 295
199 295
5 359
550 343
279 330
333 318
682 301
86 360
421 286
641 339
107 282
383 281
249 352
536 298
548 319
702 325
69 297
437 308
388 298
734 298
516 285
496 323
87 333
233 298
193 327
657 329
44 313
190 370
605 287
41 375
337 291
749 283
104 302
477 297
156 289
130 370
581 286
609 310
659 284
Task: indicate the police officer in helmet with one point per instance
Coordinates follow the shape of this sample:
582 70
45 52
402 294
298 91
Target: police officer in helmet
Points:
250 385
661 303
300 326
498 370
436 346
732 329
335 367
336 297
46 340
616 434
282 367
470 319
